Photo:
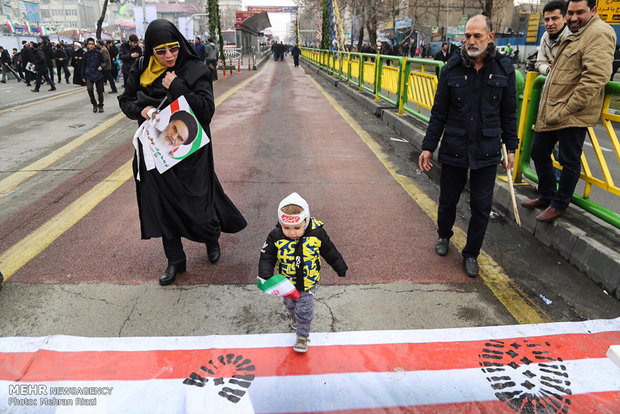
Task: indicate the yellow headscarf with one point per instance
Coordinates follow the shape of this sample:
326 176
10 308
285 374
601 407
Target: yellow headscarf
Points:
155 68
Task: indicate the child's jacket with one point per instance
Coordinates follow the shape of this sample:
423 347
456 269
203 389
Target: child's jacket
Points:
286 256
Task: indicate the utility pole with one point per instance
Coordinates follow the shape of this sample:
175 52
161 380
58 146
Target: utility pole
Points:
447 13
145 23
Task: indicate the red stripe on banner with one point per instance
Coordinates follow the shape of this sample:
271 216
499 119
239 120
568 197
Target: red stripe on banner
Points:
595 402
170 364
174 106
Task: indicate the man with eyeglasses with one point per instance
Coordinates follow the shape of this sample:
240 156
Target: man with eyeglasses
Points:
92 73
128 53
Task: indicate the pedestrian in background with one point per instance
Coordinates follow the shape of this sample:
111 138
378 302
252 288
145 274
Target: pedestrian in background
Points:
129 52
187 200
107 71
199 49
48 51
295 52
5 62
570 103
40 63
475 111
211 58
443 55
27 56
60 56
16 58
92 73
113 50
77 62
295 248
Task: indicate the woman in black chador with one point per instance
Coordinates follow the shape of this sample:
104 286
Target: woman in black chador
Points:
188 199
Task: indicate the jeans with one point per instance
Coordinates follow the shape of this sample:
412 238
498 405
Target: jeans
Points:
571 145
43 74
90 88
303 311
451 185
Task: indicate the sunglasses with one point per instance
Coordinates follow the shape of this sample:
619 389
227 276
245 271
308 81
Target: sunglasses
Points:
162 51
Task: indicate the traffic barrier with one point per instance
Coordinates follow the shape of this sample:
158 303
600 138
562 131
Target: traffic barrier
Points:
239 65
224 67
231 66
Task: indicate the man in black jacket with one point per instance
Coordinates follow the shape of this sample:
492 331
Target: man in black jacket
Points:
475 111
60 56
93 66
295 52
5 61
129 52
40 63
26 58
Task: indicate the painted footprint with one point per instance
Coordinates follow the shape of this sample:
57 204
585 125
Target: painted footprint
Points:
527 376
231 374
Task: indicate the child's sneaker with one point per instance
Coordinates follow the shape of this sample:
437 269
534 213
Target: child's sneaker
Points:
302 344
293 323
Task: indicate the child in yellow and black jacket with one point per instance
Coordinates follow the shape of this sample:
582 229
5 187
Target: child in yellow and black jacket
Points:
295 248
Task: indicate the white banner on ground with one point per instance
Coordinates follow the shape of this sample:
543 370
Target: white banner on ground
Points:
505 369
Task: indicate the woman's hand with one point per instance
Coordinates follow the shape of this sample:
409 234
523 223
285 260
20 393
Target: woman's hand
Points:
170 76
145 112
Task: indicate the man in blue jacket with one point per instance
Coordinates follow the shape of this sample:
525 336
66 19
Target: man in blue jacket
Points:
93 64
199 48
475 111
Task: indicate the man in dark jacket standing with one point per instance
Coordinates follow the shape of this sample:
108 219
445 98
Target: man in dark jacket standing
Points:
199 48
128 53
49 54
27 57
61 63
475 110
107 72
295 52
93 65
40 63
211 58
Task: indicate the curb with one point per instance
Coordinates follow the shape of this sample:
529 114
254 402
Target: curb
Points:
588 243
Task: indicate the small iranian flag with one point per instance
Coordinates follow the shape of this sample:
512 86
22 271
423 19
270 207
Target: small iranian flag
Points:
43 30
11 26
28 29
278 285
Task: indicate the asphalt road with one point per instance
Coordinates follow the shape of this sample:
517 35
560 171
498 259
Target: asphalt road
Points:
80 267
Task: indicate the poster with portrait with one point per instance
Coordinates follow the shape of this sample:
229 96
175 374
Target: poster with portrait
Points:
173 135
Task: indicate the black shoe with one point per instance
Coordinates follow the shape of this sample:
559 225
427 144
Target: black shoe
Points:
441 246
34 90
470 266
213 252
100 107
95 108
170 274
51 89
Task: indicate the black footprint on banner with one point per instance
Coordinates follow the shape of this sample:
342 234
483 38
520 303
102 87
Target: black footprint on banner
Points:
236 368
526 376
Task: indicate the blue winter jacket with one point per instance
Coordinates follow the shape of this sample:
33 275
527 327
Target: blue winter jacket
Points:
475 111
92 60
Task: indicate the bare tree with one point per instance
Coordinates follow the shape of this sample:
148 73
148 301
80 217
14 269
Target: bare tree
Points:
104 9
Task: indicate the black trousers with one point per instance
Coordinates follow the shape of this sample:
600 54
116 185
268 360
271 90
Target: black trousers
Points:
90 86
296 60
173 248
452 183
571 145
59 70
107 74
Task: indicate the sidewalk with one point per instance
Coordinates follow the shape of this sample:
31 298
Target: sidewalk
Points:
588 243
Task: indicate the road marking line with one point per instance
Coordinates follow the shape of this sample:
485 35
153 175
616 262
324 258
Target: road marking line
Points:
23 251
520 306
20 176
602 148
30 246
60 95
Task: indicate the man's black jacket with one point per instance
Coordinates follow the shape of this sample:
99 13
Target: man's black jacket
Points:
475 111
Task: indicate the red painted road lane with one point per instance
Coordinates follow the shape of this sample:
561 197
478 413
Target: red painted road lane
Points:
277 135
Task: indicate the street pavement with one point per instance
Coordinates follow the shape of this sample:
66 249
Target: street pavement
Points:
80 267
